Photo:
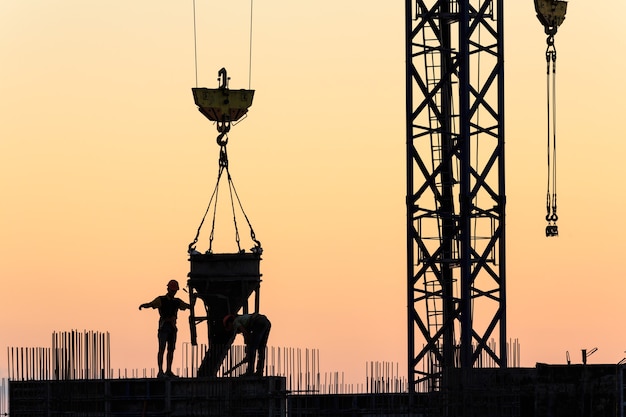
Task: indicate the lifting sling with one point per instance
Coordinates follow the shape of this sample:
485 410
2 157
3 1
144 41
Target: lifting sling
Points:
551 14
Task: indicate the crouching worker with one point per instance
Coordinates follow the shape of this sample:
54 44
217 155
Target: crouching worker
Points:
168 306
256 330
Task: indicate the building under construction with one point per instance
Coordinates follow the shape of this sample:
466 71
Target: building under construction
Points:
575 390
74 377
459 360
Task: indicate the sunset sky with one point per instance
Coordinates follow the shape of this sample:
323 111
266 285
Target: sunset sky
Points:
106 168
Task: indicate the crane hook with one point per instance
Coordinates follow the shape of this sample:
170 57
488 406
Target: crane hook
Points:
222 77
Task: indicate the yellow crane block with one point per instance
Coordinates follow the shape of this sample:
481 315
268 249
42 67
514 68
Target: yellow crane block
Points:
551 13
222 104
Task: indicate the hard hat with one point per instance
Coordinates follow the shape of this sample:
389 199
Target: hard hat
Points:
173 285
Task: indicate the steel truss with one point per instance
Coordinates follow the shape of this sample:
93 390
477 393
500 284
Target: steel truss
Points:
455 188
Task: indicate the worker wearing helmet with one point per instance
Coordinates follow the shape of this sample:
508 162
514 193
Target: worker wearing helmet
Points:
256 330
168 306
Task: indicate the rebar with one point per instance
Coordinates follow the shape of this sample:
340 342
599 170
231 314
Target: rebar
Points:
72 355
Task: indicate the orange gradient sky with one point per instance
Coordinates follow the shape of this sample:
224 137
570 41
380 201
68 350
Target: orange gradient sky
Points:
107 167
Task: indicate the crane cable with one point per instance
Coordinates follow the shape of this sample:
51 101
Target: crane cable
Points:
222 141
551 215
250 56
195 43
551 14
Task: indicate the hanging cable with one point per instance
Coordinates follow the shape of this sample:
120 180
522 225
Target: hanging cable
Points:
257 248
192 245
222 141
551 14
551 215
250 58
223 107
195 42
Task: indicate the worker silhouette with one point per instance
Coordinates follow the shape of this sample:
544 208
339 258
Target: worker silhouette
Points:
256 330
168 306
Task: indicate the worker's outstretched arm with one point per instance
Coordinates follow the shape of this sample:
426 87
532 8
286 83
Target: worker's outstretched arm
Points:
156 303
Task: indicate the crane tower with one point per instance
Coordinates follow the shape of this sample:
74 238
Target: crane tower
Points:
455 188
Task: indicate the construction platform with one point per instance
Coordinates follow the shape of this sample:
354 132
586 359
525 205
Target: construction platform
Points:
146 397
544 391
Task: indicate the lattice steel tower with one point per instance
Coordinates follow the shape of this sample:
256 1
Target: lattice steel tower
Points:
455 188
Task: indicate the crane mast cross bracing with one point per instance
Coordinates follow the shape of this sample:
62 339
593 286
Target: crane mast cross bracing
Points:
455 188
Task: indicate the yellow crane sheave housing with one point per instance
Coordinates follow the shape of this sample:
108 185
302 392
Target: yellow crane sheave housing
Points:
551 13
222 104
